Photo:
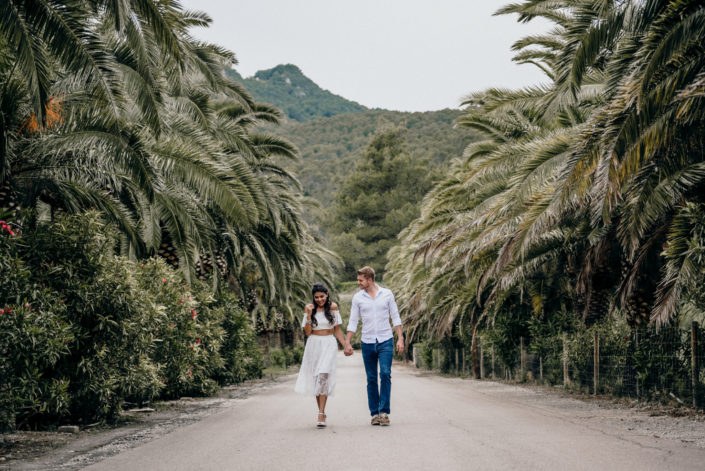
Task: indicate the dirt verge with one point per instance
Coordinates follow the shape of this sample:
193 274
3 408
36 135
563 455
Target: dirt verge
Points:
46 450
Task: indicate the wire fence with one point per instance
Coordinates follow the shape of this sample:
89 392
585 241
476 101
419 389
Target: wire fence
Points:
644 363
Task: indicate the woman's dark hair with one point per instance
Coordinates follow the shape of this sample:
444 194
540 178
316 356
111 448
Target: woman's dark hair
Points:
321 288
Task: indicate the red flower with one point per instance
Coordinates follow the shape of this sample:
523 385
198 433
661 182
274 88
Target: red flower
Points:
172 326
193 314
163 280
198 340
181 300
2 311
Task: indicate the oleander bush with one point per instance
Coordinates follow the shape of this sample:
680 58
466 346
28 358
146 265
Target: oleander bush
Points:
242 355
189 340
83 330
34 337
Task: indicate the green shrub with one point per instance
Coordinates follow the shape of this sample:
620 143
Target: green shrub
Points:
277 357
191 335
241 354
83 330
113 321
614 343
34 337
32 342
296 354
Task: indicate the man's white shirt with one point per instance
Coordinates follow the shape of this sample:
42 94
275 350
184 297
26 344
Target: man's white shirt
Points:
375 314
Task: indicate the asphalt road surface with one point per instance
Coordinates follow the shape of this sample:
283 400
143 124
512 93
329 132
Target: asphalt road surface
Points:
436 423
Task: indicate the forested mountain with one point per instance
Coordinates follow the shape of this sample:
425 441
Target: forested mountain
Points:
331 132
297 95
332 135
330 147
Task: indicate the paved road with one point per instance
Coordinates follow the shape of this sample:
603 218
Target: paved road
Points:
437 423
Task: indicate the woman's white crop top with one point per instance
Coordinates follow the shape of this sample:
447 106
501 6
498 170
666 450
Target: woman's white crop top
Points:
323 323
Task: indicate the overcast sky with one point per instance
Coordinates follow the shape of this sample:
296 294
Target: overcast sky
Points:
409 55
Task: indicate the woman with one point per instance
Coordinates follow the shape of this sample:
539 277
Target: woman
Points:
321 324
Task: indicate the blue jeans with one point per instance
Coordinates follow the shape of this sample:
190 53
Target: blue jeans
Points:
372 354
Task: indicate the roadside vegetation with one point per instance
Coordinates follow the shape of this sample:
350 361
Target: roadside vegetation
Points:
584 202
148 231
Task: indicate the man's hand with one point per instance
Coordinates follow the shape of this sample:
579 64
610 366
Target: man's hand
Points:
348 350
400 346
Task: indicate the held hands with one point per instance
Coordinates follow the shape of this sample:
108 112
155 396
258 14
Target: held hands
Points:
348 350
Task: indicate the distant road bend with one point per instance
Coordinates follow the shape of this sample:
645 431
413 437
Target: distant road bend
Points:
437 423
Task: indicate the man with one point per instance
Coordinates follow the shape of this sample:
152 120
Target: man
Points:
375 305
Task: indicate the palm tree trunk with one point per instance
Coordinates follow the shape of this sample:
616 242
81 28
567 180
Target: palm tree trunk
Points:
475 347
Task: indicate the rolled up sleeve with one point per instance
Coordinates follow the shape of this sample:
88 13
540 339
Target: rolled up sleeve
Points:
354 315
394 310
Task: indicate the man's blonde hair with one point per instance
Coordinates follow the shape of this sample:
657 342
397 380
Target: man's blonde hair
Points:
367 272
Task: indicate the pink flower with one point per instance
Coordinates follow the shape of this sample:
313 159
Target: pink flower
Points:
193 314
172 326
2 311
163 280
181 300
26 304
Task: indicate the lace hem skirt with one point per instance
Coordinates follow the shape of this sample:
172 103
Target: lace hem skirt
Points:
317 373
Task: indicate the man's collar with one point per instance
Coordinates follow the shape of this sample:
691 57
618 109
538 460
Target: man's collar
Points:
379 288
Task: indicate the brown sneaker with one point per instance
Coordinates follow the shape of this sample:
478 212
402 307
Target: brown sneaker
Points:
375 420
383 419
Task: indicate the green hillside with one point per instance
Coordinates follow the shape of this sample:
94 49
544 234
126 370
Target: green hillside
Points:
330 147
297 95
332 133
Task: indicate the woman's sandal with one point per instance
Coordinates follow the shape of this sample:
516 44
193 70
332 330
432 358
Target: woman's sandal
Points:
321 424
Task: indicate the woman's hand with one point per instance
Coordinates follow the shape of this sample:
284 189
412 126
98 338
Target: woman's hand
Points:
307 326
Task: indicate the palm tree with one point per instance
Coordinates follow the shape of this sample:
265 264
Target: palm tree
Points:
169 152
600 168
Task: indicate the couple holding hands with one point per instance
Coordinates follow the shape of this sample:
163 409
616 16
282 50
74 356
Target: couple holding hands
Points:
375 306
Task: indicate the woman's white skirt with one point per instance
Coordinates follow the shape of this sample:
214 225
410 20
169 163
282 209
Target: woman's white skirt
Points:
317 373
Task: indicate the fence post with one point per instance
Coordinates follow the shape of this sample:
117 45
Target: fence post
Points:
482 361
596 366
523 358
566 378
695 371
457 363
493 371
462 353
541 368
636 349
